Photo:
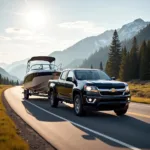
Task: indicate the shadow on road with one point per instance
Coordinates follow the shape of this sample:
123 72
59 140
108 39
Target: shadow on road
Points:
127 129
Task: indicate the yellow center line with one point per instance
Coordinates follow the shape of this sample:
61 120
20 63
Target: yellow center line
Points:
139 115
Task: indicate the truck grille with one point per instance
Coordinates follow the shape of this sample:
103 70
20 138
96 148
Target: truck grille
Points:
108 93
109 86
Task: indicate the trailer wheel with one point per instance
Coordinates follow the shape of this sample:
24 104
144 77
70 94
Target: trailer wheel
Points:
26 94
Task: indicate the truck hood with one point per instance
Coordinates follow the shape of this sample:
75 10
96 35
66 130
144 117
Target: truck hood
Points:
105 83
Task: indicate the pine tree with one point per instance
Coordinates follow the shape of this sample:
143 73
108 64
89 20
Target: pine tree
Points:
101 66
127 76
107 68
91 66
17 83
123 72
114 59
134 63
7 81
144 62
148 48
0 79
13 82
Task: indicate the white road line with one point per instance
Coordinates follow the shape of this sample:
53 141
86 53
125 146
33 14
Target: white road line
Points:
88 129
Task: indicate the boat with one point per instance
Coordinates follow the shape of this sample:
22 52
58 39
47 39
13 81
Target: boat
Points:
40 69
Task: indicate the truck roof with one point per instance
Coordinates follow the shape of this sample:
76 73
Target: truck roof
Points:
79 69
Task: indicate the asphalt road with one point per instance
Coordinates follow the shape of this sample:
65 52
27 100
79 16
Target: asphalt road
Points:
95 131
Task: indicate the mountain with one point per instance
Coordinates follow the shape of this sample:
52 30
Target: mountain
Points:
19 71
131 29
17 68
7 75
84 48
11 66
75 63
3 65
102 54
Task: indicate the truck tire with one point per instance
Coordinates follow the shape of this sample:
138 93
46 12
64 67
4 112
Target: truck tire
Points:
52 99
26 94
78 107
121 112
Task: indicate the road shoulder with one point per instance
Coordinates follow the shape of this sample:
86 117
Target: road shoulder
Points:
35 141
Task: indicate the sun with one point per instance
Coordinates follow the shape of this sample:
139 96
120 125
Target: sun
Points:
35 19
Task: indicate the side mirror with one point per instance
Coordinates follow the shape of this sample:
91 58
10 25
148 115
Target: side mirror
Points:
113 78
69 79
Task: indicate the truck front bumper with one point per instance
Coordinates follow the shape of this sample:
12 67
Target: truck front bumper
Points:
106 102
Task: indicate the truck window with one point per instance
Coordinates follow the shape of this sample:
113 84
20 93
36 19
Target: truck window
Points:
91 75
70 74
63 76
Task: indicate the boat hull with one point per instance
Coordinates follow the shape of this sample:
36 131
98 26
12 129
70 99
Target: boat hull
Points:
38 82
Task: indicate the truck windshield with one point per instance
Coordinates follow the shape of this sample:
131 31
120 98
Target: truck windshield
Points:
91 75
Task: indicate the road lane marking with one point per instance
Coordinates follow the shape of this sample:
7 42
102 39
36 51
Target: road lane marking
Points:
131 113
139 115
85 128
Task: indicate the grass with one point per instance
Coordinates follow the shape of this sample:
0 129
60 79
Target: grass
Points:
140 91
9 139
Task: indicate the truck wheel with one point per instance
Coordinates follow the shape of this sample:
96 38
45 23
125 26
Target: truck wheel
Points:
52 99
26 94
121 112
78 107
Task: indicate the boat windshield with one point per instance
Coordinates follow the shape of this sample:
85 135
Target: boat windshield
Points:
43 67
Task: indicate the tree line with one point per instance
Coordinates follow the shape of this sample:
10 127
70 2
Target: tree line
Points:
6 81
102 54
128 64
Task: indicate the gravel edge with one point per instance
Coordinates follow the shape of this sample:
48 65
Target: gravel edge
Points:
35 141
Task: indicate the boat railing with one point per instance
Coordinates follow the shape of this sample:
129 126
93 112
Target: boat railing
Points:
44 67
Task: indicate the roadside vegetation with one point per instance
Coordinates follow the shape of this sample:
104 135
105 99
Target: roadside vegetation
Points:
140 91
9 139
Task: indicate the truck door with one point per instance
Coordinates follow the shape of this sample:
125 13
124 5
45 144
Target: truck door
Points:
61 85
69 85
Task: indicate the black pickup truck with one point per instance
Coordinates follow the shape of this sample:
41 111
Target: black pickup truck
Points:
89 89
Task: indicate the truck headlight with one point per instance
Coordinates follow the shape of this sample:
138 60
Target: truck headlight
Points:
127 89
91 88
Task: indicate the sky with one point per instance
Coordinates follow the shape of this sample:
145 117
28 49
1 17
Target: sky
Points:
39 27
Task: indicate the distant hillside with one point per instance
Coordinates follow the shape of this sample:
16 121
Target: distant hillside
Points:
7 75
102 54
80 50
84 48
19 71
75 63
17 68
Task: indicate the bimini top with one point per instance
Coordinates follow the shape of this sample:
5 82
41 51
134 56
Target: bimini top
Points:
42 58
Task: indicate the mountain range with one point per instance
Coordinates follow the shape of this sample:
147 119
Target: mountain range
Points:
7 75
84 48
77 54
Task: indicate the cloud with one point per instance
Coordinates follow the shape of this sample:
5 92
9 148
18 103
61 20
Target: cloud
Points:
18 31
23 38
5 38
85 26
40 39
74 25
18 13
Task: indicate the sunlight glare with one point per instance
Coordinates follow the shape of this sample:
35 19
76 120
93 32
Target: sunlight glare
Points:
36 19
